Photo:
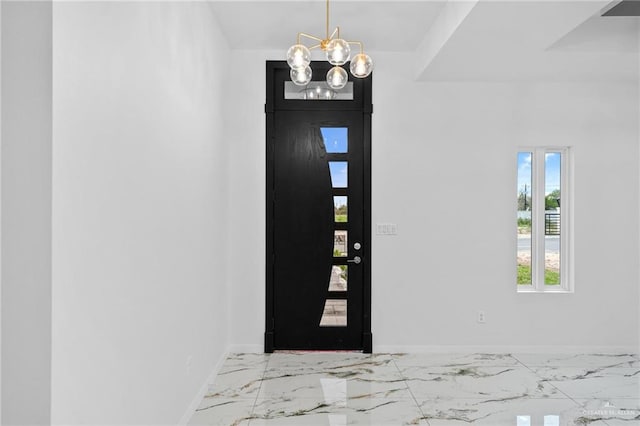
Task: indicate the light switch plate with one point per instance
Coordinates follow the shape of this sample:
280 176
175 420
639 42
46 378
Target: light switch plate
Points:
386 229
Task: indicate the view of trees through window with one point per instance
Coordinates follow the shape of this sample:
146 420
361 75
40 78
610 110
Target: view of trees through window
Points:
539 215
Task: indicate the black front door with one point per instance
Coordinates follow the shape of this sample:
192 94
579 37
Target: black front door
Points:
318 262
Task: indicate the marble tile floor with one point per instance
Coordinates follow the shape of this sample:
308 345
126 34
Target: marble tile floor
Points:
339 389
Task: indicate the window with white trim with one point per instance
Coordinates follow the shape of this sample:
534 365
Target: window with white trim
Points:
544 220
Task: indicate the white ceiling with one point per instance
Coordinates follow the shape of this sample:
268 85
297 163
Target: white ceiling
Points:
381 25
492 39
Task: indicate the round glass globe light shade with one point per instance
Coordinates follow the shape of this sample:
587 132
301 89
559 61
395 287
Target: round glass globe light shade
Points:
361 65
337 78
338 52
298 56
301 76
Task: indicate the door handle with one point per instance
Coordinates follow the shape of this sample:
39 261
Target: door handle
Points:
355 260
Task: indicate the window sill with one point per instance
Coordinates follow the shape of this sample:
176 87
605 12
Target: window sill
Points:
546 291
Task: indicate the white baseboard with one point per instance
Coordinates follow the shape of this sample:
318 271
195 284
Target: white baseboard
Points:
195 403
496 349
513 349
246 349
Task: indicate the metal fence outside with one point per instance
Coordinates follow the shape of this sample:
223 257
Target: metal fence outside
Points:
552 224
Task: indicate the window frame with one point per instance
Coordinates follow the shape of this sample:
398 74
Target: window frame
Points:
538 220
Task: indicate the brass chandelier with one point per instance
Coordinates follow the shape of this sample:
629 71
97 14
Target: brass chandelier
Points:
338 52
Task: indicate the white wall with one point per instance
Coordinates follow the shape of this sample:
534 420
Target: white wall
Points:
26 212
452 148
139 209
246 136
439 151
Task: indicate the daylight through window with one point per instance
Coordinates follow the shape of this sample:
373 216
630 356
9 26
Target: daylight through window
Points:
543 221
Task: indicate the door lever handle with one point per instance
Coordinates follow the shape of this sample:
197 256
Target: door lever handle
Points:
355 260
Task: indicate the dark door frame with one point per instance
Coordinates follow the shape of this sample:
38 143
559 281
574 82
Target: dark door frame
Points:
276 74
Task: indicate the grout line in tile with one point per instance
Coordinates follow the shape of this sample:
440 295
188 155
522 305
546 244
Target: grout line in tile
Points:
519 362
404 379
540 377
546 381
264 373
255 400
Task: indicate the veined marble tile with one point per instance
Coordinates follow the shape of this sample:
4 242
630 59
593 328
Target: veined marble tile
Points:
614 412
477 382
255 361
593 382
454 360
236 382
384 382
337 368
579 360
337 389
222 411
506 412
622 422
327 360
298 412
